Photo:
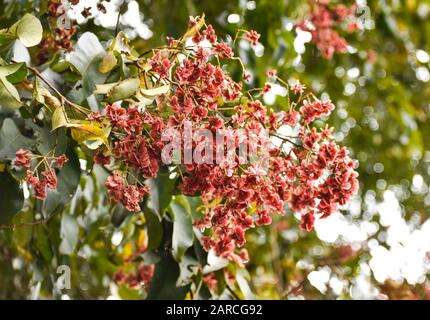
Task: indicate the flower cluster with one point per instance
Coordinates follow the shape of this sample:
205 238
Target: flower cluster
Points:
141 277
258 171
47 177
322 22
61 36
308 173
128 195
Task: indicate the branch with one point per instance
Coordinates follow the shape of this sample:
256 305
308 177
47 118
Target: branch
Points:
63 98
26 224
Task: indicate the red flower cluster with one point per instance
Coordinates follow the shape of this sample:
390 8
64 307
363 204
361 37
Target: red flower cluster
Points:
142 277
308 174
252 36
321 23
134 148
313 177
312 110
120 191
60 38
22 159
49 180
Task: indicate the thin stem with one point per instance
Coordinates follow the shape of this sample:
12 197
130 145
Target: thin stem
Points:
27 224
63 98
118 18
232 292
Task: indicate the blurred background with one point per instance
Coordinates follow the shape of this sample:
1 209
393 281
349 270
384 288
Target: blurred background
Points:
378 247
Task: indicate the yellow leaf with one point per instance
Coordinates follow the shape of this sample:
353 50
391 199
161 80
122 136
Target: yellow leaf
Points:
59 118
108 62
92 133
193 30
127 251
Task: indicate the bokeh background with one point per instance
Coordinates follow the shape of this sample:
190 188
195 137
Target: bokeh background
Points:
378 247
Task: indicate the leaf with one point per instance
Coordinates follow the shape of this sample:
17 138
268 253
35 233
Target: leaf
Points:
214 262
14 73
42 242
11 140
69 234
86 50
11 197
92 133
108 62
155 229
118 90
118 215
183 235
188 267
123 90
28 30
193 30
9 96
127 293
23 234
86 59
163 284
59 118
104 88
241 277
160 192
156 91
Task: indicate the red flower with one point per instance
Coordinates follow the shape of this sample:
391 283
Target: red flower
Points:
252 36
22 159
50 178
308 220
61 160
101 159
223 51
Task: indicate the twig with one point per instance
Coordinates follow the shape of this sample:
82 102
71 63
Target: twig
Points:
63 98
232 292
26 224
118 18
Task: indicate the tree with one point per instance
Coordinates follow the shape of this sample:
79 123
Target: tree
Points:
90 124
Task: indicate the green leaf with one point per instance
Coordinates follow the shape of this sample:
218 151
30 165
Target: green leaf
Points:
11 197
9 96
14 73
69 234
11 140
127 293
22 235
28 30
242 277
163 284
59 118
155 229
118 90
189 267
118 215
86 59
42 242
160 190
183 235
